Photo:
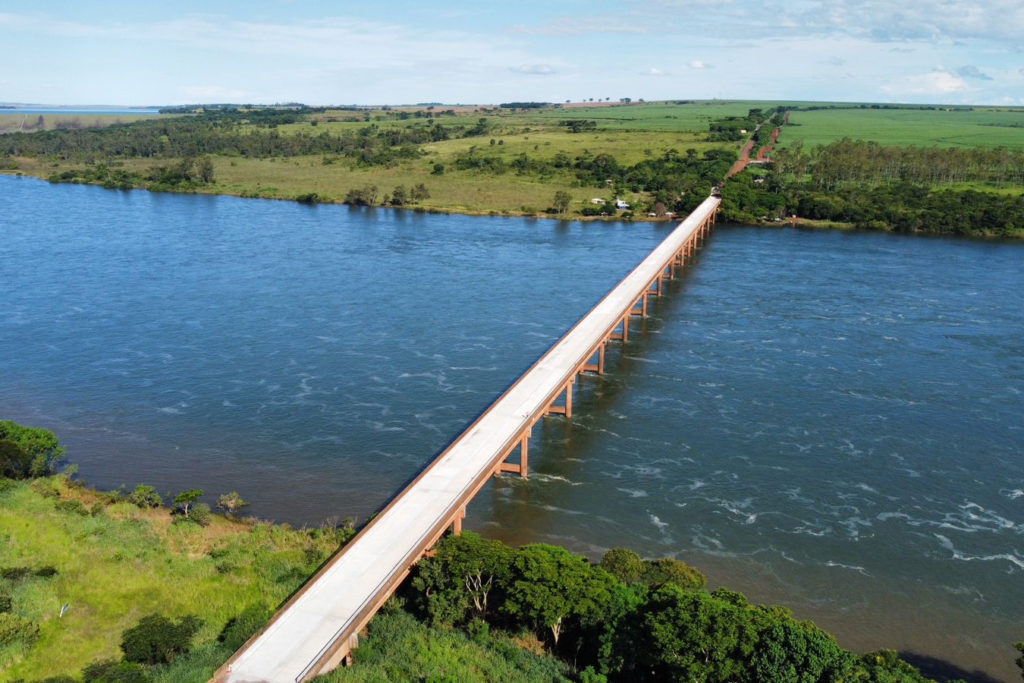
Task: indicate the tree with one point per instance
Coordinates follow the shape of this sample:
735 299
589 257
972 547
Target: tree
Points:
562 200
158 640
145 497
1020 660
205 170
685 635
624 564
36 451
551 585
399 196
419 192
185 499
457 583
231 503
658 573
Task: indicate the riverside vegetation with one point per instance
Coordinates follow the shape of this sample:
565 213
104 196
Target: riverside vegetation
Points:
953 170
111 586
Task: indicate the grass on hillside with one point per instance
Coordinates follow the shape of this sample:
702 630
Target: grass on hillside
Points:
116 563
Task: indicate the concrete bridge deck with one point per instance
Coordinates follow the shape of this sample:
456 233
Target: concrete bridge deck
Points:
317 628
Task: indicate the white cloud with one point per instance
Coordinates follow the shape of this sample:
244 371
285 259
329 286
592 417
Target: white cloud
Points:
971 71
574 25
534 69
655 72
935 82
699 65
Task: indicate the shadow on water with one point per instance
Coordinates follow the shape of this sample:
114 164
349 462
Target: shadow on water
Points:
594 393
941 670
559 446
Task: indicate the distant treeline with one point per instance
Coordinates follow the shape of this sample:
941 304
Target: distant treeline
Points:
736 128
858 161
680 181
901 207
223 134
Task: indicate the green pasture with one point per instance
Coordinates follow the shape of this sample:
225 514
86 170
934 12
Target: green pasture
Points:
115 563
977 127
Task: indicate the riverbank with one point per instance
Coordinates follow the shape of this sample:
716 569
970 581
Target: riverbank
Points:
82 569
81 566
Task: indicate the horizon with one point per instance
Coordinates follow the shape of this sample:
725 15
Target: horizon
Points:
959 53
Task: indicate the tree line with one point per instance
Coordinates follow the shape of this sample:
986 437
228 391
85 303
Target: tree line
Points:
849 160
627 618
220 134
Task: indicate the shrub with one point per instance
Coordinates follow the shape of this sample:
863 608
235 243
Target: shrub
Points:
145 496
75 507
201 514
15 629
241 628
231 503
112 671
158 640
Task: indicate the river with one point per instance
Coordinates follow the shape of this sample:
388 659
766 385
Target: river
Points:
827 420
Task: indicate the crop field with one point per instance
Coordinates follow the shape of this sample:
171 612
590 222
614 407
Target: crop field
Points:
978 127
20 122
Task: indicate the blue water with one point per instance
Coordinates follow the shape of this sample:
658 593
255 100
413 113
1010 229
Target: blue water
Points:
828 420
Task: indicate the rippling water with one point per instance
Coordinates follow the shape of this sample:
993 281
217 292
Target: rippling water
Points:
829 420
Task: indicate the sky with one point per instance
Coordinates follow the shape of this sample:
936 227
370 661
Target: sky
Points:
487 52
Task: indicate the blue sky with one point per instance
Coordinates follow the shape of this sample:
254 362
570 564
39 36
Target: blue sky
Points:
483 51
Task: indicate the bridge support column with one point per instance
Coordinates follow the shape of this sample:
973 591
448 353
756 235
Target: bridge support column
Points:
523 468
565 408
457 521
597 367
642 311
624 335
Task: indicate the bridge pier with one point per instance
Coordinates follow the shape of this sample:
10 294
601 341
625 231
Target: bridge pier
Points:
624 335
457 521
565 408
522 468
599 366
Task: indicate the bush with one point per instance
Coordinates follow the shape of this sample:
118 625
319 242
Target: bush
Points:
241 628
145 496
14 629
112 671
158 640
201 514
27 451
75 507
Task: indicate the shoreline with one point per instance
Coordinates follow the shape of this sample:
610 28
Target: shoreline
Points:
793 223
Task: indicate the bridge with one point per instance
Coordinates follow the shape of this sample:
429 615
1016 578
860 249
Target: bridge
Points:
318 626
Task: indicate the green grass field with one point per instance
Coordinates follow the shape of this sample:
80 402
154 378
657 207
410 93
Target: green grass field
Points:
122 563
981 127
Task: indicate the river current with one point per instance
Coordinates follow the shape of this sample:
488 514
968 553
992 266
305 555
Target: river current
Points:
833 421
